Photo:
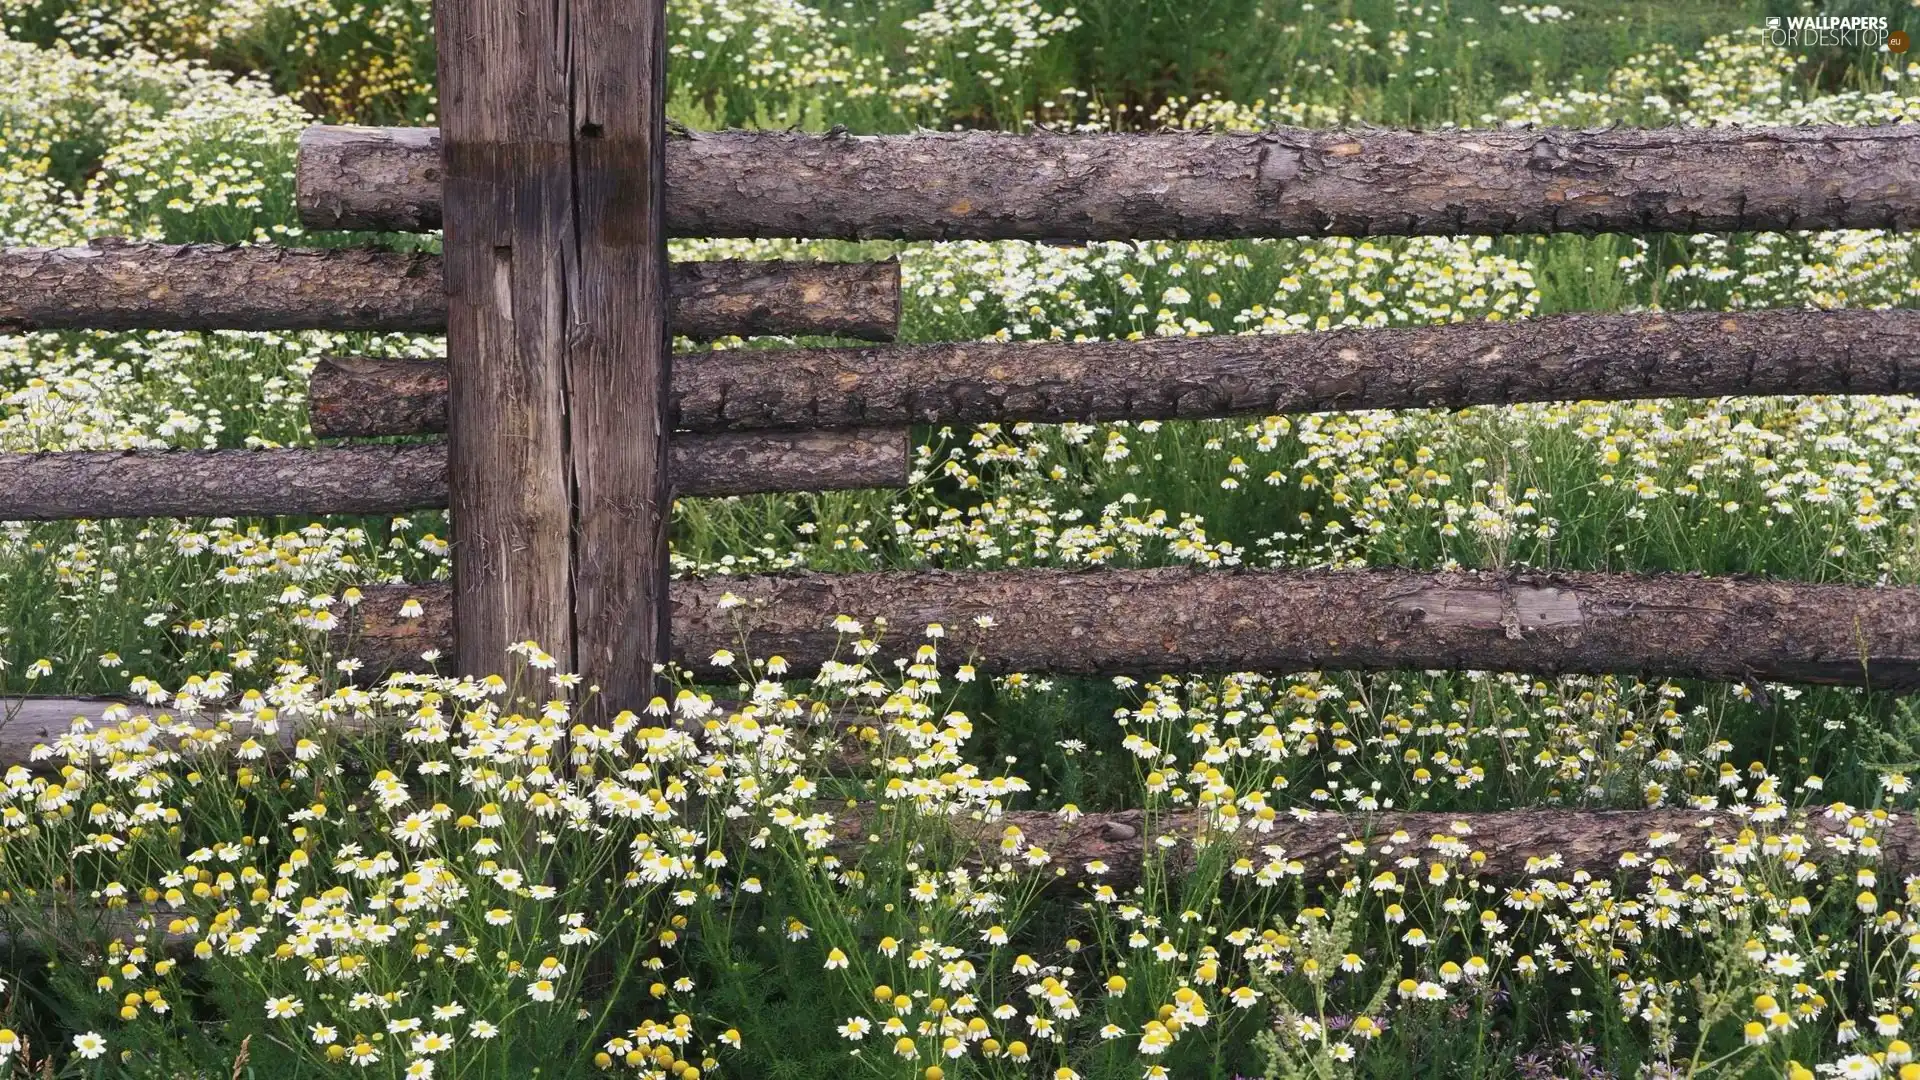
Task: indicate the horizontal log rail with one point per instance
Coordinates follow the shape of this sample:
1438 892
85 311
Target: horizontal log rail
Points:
29 722
1511 846
32 724
1283 182
397 479
1499 845
1562 357
117 285
1144 622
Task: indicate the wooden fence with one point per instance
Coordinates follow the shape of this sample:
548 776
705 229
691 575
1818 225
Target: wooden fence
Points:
557 184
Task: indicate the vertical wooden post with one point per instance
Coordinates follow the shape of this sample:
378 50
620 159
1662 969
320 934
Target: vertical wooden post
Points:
552 121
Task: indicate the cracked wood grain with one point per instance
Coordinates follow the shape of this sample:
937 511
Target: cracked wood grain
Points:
557 295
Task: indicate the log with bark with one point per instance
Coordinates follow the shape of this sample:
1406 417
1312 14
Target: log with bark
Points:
1587 840
35 723
1560 358
1145 622
349 396
397 479
32 721
116 285
1512 847
72 928
1282 182
57 486
27 724
1502 845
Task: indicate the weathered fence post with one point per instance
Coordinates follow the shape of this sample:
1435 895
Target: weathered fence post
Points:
553 118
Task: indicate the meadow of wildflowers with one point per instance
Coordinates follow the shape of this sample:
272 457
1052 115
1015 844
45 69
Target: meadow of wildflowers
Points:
257 866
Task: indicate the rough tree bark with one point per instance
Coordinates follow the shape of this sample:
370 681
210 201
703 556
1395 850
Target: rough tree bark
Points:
64 485
117 285
352 396
800 461
1284 182
398 479
1178 620
339 166
1560 358
725 297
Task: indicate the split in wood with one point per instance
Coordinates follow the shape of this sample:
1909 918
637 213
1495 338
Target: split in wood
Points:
1279 183
1560 358
1148 622
142 286
398 479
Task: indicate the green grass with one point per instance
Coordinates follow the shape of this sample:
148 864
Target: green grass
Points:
1056 496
